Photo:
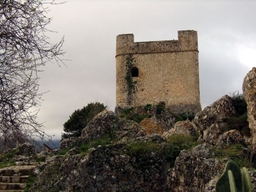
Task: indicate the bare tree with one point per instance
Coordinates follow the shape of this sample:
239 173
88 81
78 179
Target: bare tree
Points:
24 48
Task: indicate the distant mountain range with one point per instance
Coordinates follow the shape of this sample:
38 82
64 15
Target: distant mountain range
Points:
54 144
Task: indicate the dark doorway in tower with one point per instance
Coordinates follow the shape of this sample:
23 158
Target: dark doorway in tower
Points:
135 72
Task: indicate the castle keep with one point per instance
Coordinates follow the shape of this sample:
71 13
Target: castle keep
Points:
158 71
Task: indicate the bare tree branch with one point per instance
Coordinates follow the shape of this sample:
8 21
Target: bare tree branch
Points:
24 48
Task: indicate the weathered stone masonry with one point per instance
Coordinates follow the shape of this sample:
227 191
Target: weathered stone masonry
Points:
161 71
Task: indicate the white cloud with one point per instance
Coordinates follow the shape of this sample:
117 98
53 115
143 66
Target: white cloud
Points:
247 56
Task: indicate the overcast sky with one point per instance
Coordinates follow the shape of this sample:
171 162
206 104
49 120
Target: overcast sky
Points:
226 36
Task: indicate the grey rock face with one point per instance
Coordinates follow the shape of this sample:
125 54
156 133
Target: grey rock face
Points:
26 149
212 120
249 88
135 161
229 138
195 170
71 142
107 123
181 127
106 168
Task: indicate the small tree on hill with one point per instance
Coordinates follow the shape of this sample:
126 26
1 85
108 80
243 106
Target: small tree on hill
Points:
239 121
80 118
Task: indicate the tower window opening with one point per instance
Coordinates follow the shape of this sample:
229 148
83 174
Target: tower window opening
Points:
135 72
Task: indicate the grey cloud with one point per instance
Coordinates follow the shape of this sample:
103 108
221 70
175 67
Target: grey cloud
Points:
90 29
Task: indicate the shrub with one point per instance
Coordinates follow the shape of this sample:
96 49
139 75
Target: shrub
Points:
234 152
80 118
160 108
148 107
130 114
142 151
176 143
136 117
6 159
183 116
239 103
239 121
30 181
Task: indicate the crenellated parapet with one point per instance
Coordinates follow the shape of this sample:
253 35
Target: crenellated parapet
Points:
187 41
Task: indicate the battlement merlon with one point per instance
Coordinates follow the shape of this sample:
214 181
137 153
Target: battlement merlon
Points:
187 41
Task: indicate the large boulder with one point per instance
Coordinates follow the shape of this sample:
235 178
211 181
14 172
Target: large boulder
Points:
105 124
181 128
71 142
151 125
212 121
230 138
154 119
26 149
108 124
195 170
249 89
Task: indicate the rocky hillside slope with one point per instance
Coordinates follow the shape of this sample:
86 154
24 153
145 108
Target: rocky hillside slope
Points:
158 153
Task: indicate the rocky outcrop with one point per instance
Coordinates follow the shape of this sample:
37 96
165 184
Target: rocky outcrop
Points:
118 167
212 121
181 128
151 125
249 89
26 149
138 165
137 159
195 170
155 118
71 142
230 138
105 124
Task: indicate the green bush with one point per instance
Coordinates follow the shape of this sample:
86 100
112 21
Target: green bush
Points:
176 143
29 183
160 108
234 152
136 117
148 107
239 103
6 159
239 121
130 114
142 151
128 111
80 118
40 159
183 116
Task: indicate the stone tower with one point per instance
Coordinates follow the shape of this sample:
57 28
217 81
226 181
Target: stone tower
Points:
158 71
